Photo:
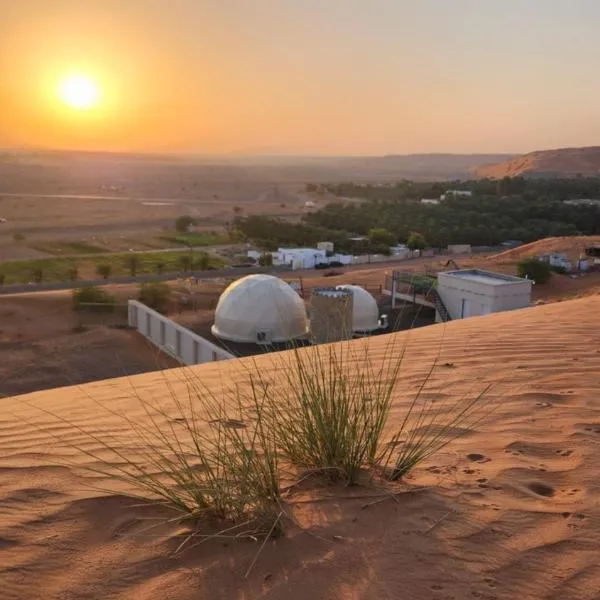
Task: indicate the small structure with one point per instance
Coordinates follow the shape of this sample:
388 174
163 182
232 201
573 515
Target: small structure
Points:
432 201
260 309
459 248
365 312
456 194
327 246
557 259
474 292
331 312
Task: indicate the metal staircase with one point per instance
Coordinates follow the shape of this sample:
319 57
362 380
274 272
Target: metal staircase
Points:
439 305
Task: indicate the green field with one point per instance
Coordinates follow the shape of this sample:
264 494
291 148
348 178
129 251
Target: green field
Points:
60 269
198 239
63 248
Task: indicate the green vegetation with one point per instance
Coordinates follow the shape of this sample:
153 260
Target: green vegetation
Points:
382 236
63 269
216 460
265 259
534 269
156 295
64 248
183 223
104 270
93 299
133 262
509 209
198 239
209 459
416 241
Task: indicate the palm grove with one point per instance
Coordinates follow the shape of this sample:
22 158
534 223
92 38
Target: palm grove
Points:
507 209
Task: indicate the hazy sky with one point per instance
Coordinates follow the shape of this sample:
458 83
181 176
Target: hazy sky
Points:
303 76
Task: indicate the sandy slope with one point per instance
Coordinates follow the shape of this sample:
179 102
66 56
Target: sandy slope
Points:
573 246
509 511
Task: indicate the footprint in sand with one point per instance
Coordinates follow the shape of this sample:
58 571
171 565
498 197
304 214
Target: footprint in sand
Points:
480 458
541 489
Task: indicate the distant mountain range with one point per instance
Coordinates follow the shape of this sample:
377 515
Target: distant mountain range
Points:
437 166
562 162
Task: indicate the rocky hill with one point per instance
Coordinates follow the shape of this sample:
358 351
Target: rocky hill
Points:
562 162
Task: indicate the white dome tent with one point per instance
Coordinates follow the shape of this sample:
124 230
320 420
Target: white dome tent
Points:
365 312
260 309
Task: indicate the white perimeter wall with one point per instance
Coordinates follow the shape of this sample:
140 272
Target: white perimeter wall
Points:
481 298
173 339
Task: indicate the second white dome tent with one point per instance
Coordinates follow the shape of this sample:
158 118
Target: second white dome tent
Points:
365 312
260 309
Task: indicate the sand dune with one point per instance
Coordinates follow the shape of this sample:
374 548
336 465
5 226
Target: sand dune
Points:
508 511
573 246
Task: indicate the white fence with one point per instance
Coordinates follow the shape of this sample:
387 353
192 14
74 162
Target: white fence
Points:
173 339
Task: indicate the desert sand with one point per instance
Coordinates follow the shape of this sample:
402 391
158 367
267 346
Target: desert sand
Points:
509 510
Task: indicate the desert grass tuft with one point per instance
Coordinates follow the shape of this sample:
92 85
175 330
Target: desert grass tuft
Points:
207 458
330 412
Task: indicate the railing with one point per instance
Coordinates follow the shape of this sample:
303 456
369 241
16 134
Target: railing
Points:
439 305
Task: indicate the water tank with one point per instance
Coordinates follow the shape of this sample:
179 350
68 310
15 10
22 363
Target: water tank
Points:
365 312
260 309
330 315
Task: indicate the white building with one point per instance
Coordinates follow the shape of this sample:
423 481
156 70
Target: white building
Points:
327 246
302 258
557 259
459 248
473 292
456 193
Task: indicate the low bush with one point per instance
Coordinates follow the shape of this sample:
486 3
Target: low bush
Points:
534 269
155 295
93 299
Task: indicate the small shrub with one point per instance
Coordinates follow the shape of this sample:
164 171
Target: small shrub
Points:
73 274
416 241
210 460
558 270
183 223
155 295
133 263
332 417
265 259
202 263
536 270
2 279
104 270
38 275
18 237
185 262
93 299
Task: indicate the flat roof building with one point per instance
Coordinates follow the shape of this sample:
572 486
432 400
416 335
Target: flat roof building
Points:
474 292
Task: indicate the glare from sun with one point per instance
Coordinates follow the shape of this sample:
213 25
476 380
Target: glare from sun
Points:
79 92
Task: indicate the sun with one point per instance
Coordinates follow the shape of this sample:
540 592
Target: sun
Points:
79 92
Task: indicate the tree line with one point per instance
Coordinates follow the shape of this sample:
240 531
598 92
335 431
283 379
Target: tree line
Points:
498 211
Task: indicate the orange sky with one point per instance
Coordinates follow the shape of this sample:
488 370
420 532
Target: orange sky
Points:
341 77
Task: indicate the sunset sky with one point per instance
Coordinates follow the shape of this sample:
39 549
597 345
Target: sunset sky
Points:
302 76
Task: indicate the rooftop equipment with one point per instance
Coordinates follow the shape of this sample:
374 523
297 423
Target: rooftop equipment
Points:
330 315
